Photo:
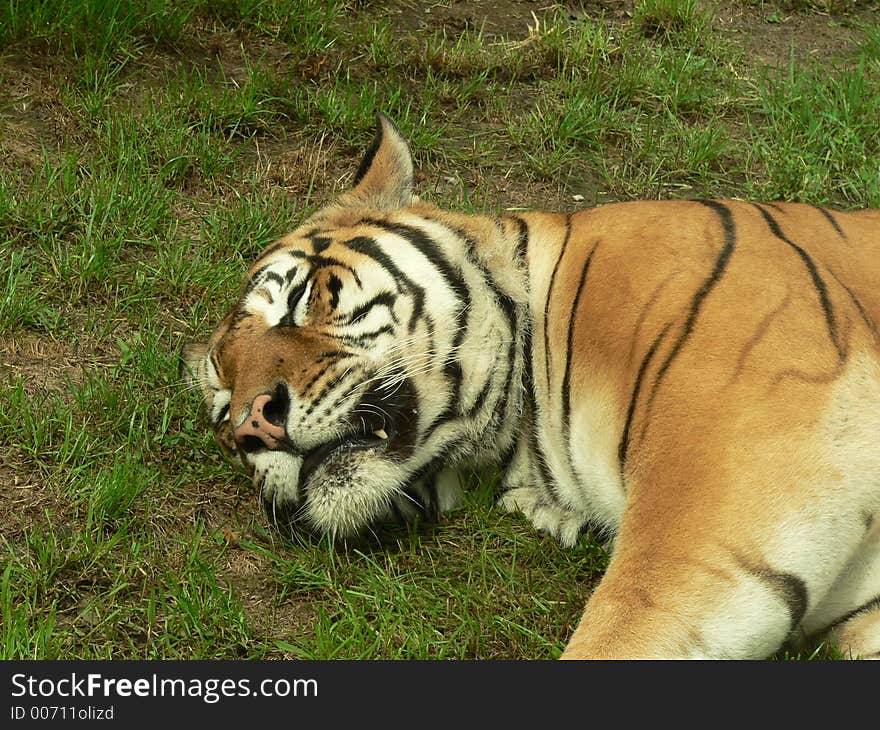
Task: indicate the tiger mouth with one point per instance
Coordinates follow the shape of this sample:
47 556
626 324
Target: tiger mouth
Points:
381 421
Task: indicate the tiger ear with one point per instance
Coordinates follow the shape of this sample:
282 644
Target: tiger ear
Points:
384 179
192 363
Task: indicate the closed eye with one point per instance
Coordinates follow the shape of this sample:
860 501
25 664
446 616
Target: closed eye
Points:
293 300
224 413
220 412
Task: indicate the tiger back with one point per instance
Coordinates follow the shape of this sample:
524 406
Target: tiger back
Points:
698 380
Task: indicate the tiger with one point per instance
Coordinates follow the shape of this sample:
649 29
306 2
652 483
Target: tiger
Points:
697 381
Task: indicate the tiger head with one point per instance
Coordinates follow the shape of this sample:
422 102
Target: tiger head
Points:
368 349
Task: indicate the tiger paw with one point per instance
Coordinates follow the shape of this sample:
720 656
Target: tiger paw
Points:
561 524
520 499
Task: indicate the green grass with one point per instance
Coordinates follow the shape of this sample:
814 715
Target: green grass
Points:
680 20
149 150
819 139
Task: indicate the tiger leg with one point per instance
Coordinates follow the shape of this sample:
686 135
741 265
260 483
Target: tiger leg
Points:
852 606
859 636
431 496
525 491
689 600
713 561
678 593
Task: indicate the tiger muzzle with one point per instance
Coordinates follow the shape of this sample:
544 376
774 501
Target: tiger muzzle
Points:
383 420
265 425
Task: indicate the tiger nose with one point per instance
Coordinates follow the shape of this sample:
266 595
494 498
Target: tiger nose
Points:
264 428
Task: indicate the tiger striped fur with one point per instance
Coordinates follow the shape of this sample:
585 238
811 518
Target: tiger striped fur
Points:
698 379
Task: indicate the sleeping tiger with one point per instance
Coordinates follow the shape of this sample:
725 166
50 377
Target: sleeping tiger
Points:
698 379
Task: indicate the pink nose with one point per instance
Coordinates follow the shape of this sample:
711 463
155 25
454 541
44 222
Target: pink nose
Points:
263 428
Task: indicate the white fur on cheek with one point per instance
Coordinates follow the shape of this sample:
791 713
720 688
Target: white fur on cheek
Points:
278 471
336 507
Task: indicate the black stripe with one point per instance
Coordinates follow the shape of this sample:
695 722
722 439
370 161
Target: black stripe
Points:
441 459
714 277
866 607
504 301
566 380
541 461
526 412
510 396
320 242
423 243
332 355
221 415
550 294
320 374
822 290
334 284
272 276
532 415
522 245
711 281
448 414
510 403
369 155
366 337
623 446
333 358
566 394
507 456
456 406
342 394
509 310
316 262
370 248
527 375
857 303
832 220
328 388
293 298
385 299
538 455
480 400
255 280
453 371
791 589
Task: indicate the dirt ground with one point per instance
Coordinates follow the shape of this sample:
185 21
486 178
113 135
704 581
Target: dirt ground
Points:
770 31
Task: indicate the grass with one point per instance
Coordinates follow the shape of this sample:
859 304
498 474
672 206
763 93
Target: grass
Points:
822 138
149 150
